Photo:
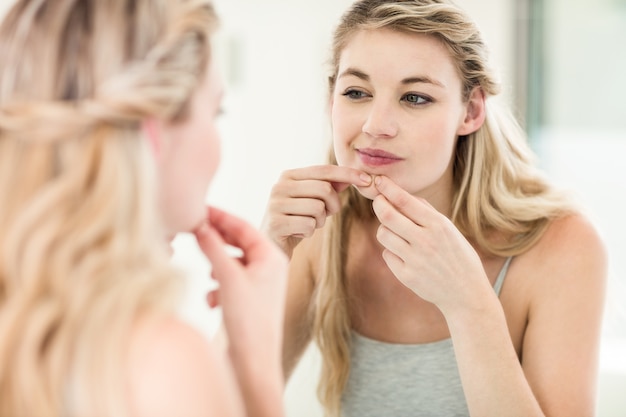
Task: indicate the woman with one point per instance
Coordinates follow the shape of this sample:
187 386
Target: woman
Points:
439 273
107 146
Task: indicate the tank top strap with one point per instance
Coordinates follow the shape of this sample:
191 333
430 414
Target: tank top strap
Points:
497 286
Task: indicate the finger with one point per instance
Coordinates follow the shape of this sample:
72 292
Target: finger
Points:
293 226
416 209
240 234
392 219
340 176
306 207
395 264
393 242
213 298
314 190
213 246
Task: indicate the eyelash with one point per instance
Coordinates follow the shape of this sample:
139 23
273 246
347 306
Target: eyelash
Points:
422 99
351 92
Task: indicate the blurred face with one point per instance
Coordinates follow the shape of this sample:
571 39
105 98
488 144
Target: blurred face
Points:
397 111
189 156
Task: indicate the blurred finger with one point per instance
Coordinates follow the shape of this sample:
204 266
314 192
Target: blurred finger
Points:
213 246
237 232
213 298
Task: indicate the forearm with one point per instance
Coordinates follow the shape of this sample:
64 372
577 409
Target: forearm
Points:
262 387
492 376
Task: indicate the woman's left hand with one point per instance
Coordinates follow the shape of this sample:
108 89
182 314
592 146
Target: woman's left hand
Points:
425 251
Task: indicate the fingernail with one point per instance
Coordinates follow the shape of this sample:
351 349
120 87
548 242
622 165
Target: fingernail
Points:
378 180
367 179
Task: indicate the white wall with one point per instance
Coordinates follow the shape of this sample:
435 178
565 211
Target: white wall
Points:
4 6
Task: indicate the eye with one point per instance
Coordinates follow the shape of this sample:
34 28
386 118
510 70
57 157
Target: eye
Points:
416 99
354 94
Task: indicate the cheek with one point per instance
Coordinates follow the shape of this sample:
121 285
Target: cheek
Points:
195 165
345 128
211 152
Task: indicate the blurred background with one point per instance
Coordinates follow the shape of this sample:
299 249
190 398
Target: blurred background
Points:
562 64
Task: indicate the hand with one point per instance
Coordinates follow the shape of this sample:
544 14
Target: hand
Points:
251 288
302 199
424 250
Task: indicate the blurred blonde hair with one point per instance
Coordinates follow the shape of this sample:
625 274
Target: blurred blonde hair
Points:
81 251
497 187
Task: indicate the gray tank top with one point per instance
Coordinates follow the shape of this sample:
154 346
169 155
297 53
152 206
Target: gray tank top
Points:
401 380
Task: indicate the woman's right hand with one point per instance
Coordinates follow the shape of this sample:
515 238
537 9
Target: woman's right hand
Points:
252 292
302 199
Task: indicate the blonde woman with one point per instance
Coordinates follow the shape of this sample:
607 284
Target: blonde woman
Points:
107 145
439 273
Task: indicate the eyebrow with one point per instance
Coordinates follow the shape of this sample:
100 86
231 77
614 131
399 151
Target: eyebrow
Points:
410 80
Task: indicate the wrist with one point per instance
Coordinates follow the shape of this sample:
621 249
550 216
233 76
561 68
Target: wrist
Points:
261 384
479 309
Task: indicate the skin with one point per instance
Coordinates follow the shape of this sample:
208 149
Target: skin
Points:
188 155
369 116
411 261
174 370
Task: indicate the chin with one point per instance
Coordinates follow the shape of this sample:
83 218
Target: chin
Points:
186 225
370 192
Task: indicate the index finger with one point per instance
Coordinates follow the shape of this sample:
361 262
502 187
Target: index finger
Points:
240 234
415 208
339 176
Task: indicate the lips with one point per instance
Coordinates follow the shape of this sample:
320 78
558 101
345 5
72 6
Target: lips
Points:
377 157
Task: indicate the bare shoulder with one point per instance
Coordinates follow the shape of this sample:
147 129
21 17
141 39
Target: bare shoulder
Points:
567 266
570 243
174 370
574 232
564 275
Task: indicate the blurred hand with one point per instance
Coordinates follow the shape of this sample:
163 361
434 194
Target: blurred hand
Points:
252 288
302 199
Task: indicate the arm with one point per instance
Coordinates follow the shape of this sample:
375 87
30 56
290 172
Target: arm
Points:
565 274
298 206
297 330
561 345
558 369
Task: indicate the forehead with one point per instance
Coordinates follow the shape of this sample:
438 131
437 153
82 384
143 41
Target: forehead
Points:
398 55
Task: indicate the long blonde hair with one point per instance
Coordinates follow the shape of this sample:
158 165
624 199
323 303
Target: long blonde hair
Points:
81 249
496 185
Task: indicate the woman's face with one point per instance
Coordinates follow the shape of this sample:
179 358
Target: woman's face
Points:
189 157
397 111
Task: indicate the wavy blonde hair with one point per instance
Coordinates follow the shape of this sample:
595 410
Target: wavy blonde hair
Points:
497 187
81 250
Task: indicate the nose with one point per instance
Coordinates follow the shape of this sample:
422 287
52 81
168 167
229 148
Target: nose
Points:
381 120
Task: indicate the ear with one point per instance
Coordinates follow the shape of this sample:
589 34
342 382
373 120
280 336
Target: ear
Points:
475 113
151 129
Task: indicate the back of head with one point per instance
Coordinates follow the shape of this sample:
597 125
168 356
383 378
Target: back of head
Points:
81 249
